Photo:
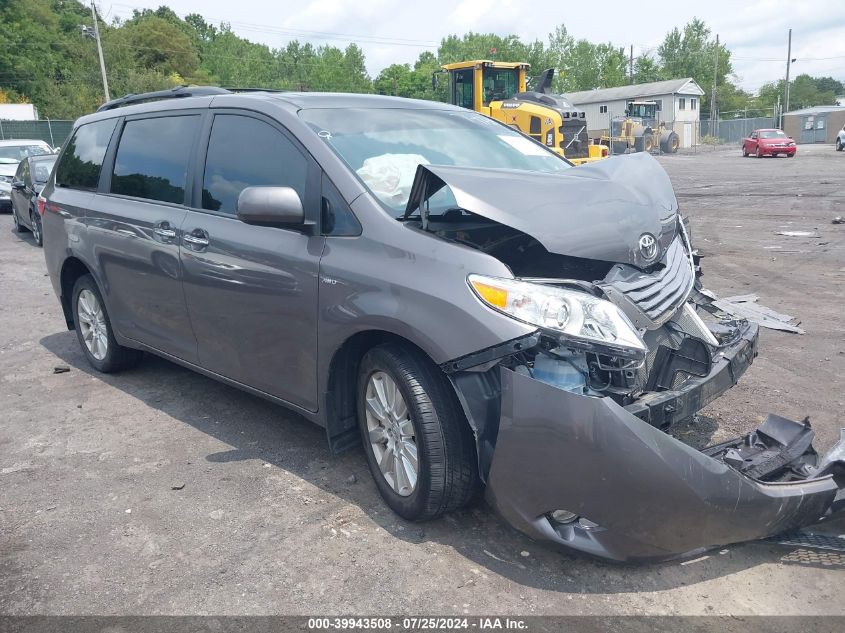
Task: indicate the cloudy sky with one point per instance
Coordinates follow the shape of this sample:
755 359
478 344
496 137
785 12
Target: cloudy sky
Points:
391 31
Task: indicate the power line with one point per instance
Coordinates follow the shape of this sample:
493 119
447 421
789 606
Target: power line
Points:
261 28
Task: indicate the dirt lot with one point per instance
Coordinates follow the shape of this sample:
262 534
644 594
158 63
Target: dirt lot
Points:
265 520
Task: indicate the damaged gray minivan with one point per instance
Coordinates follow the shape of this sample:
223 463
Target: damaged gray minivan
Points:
430 283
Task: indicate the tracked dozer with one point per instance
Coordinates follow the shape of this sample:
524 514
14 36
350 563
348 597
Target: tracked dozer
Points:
640 130
499 90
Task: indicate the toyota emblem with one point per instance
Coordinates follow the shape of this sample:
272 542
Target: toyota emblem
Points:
648 247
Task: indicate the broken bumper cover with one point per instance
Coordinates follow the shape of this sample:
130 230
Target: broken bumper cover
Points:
667 407
641 494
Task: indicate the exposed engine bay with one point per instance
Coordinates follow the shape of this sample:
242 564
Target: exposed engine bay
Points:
570 420
682 330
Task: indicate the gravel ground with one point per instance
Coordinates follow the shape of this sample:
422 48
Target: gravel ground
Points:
159 491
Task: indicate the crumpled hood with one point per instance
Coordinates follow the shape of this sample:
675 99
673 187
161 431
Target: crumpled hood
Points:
596 211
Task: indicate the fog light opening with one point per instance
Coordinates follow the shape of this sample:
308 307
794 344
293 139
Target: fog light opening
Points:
562 517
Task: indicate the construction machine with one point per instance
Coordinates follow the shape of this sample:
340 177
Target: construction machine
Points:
499 90
640 130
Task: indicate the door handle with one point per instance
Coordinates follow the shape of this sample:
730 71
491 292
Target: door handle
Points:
197 238
196 241
164 232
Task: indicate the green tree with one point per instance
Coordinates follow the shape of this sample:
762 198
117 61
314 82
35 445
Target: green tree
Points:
804 92
829 85
646 69
231 60
585 66
471 46
160 45
691 52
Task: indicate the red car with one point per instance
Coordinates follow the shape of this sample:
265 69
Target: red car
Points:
771 142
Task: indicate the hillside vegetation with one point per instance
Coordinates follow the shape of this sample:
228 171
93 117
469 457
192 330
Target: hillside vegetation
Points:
46 59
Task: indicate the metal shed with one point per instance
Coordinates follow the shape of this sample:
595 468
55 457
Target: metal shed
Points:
819 124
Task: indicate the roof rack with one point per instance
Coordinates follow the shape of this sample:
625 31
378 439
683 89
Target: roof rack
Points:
179 92
248 89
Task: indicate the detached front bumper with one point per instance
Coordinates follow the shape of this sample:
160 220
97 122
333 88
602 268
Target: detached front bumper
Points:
641 495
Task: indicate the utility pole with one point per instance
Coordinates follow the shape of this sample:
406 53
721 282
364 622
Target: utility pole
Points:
100 53
631 65
713 94
786 88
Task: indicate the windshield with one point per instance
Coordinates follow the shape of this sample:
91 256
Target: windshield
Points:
384 146
19 152
499 84
642 110
772 134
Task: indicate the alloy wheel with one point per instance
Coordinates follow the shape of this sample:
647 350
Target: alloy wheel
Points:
36 227
391 433
92 323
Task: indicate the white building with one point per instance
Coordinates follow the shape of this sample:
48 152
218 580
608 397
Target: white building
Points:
679 101
18 112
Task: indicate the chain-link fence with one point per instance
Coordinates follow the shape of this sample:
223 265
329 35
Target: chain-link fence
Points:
734 130
52 132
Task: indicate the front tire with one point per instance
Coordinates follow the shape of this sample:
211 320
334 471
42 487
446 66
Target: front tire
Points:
759 153
419 447
16 223
94 330
839 145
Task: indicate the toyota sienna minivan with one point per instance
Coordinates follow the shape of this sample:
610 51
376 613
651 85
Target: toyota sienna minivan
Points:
430 283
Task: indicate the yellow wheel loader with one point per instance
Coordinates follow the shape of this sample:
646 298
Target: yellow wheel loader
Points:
499 90
640 130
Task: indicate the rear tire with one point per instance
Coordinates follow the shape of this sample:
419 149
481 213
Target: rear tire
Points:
35 222
94 330
669 142
839 145
429 424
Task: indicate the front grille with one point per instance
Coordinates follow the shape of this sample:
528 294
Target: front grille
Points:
576 142
659 293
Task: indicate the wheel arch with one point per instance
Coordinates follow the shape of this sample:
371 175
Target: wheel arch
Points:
72 269
340 414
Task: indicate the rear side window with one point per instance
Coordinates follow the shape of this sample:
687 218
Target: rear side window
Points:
152 158
245 152
83 157
41 170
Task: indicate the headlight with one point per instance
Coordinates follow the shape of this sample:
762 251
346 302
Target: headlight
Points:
578 317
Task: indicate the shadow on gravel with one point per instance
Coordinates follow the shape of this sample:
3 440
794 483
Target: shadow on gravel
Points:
259 430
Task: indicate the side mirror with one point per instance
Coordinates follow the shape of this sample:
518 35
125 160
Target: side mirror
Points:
271 206
18 184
